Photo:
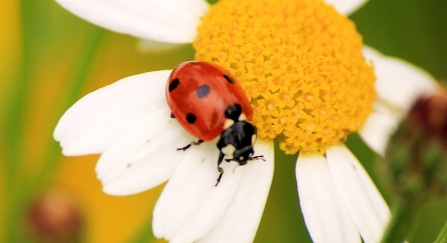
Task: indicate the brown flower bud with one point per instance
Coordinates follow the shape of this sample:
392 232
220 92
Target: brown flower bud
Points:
429 115
417 152
55 217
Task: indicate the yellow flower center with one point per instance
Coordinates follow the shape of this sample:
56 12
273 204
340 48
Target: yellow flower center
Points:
300 64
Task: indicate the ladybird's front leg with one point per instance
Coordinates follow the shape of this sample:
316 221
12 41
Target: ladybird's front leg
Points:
220 169
198 142
172 115
261 157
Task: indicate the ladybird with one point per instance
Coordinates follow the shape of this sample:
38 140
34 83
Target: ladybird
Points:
209 103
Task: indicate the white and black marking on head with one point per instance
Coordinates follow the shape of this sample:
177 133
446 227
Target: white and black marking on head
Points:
242 117
233 114
253 139
228 123
228 150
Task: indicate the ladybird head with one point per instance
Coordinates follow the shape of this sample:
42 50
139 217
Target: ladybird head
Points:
239 136
237 142
244 154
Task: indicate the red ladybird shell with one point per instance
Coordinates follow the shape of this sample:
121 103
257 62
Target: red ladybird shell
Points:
198 94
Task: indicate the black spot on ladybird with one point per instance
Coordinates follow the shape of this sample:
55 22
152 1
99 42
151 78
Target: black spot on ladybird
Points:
174 83
203 91
229 79
191 118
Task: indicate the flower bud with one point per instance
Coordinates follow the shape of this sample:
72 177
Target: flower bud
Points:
54 217
417 152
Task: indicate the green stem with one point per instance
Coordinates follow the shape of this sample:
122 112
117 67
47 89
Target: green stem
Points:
77 80
35 32
34 27
401 223
442 237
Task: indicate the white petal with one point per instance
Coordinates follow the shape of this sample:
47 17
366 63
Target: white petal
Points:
144 156
327 220
366 206
190 205
399 83
144 45
241 220
96 120
346 6
173 21
377 129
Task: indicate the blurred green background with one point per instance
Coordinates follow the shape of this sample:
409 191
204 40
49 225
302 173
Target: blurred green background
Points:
49 58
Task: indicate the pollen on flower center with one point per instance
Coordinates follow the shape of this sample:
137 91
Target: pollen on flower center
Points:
300 64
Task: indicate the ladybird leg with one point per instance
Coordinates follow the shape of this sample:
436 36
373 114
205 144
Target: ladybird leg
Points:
261 157
189 145
172 115
218 178
198 142
220 169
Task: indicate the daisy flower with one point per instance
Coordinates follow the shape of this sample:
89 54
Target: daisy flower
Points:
311 82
